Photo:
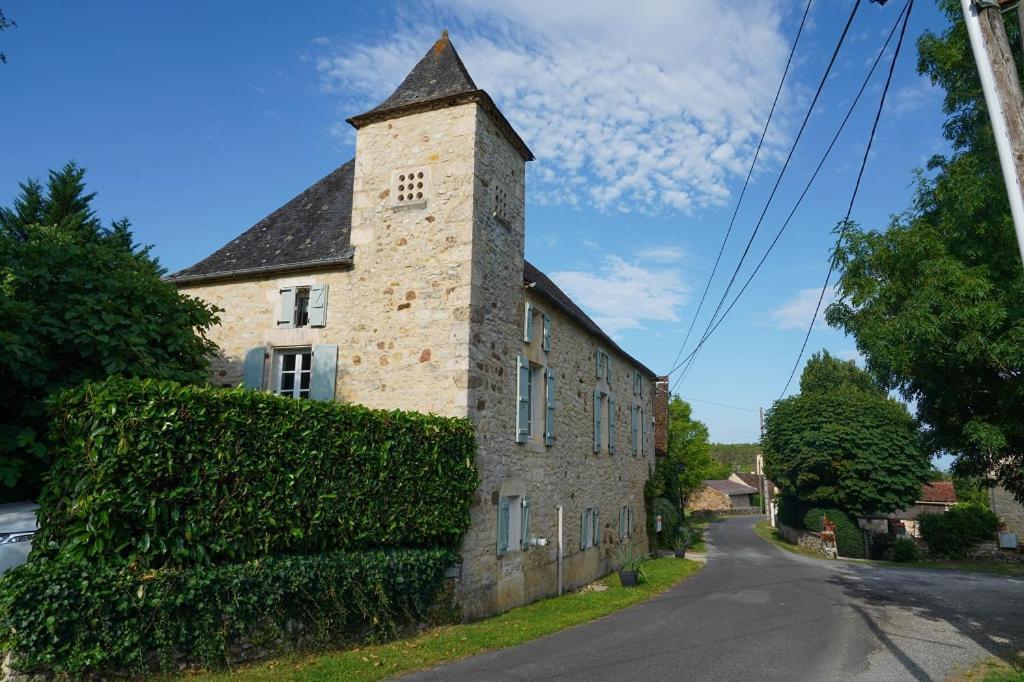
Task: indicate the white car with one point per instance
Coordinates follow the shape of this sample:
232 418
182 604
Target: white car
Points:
17 526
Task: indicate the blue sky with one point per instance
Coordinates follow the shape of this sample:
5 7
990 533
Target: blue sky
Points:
197 119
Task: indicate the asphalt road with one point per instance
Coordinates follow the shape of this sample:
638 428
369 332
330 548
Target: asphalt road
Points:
756 612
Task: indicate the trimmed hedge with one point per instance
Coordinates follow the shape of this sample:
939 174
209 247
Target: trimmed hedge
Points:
65 616
849 536
155 474
957 530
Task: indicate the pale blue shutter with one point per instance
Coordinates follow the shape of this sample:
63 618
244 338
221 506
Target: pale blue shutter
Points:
597 421
632 429
549 413
523 389
640 384
595 538
640 418
608 368
598 365
528 323
524 525
502 526
318 305
255 358
584 535
622 523
286 315
612 431
324 373
546 341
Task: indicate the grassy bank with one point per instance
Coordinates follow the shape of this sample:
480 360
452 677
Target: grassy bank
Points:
993 670
998 567
453 642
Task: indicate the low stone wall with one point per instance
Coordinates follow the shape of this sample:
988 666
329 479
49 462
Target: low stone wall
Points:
804 538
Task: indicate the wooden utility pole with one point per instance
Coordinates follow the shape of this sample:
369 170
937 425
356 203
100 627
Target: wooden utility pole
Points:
1001 85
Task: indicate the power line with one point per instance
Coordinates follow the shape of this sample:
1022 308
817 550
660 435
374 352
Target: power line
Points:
807 187
746 182
785 165
856 187
711 402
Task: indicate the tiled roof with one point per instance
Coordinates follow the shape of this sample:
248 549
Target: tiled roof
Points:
730 487
753 480
938 491
310 231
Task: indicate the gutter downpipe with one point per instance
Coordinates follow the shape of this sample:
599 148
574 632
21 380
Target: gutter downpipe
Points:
559 508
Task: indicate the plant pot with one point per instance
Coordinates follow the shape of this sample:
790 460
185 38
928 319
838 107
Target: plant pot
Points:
680 553
627 578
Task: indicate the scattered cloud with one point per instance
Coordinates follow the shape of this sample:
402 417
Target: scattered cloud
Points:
661 254
796 313
320 40
628 106
854 355
622 295
913 98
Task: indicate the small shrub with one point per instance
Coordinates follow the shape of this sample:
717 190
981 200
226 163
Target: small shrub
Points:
154 474
902 550
791 512
68 617
953 533
849 536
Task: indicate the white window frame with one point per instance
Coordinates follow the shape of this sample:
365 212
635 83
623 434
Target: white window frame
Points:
278 372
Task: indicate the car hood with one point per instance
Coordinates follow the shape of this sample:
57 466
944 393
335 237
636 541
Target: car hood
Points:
18 517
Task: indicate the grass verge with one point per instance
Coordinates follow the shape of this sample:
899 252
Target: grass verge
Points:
453 642
993 670
998 567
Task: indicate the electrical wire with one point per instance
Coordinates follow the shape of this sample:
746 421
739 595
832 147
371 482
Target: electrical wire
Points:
856 188
803 194
785 165
746 181
711 402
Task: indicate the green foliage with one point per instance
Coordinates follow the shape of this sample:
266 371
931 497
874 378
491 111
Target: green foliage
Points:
687 448
849 536
157 474
670 520
936 301
903 550
735 457
953 533
825 373
75 617
791 511
851 449
971 490
630 561
78 302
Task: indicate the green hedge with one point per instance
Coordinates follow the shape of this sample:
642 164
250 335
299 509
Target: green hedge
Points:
65 616
157 474
954 532
849 536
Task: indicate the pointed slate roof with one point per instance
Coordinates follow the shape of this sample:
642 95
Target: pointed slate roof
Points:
439 80
310 231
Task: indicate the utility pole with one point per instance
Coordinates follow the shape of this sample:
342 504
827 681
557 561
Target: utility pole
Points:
999 82
766 491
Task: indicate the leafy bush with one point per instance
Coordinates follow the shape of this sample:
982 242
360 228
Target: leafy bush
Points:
155 474
849 536
903 549
791 512
72 617
955 532
669 520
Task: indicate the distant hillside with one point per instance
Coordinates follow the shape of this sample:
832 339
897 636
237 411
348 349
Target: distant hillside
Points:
738 456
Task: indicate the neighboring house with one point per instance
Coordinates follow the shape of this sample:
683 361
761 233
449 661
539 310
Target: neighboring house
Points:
752 480
935 498
722 495
1009 511
399 281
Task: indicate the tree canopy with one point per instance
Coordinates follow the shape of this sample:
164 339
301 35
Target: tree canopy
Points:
77 302
687 446
848 447
936 300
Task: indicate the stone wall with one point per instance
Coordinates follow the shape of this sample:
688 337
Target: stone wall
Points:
804 538
1009 511
708 499
661 398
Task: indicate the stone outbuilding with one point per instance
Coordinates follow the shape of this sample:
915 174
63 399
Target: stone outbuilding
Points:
399 281
722 495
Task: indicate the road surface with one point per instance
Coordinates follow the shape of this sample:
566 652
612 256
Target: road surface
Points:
756 612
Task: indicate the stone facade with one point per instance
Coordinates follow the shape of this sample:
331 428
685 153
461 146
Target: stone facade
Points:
708 499
1009 511
429 316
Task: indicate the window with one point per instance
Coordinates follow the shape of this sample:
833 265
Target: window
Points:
636 423
303 306
638 384
513 524
590 528
531 317
625 523
293 369
605 432
536 402
410 187
603 365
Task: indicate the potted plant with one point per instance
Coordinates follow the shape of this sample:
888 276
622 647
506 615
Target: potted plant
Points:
631 567
683 541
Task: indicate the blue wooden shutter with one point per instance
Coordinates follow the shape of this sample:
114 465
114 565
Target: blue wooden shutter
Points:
502 526
524 525
549 413
632 429
622 522
523 389
255 358
324 373
598 365
608 368
584 536
612 431
640 384
528 323
286 315
597 421
546 342
595 538
318 305
640 418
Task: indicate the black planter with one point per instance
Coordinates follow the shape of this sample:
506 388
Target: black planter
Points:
628 578
680 553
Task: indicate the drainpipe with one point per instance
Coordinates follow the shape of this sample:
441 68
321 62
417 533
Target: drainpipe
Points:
559 507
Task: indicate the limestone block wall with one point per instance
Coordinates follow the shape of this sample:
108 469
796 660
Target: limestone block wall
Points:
708 499
1009 510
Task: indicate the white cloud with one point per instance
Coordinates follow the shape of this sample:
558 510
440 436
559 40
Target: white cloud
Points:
661 254
854 355
623 295
796 313
628 106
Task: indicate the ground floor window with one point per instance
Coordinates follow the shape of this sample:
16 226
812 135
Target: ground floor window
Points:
293 369
625 523
513 523
590 528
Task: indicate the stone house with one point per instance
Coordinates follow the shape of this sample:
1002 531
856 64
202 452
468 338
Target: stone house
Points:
935 498
399 281
1010 513
722 495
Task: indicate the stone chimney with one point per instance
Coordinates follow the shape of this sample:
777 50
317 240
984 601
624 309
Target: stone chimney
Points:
661 395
